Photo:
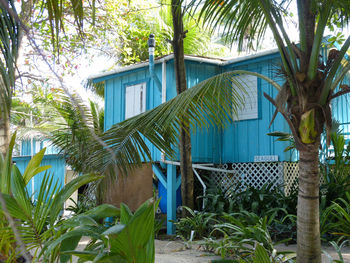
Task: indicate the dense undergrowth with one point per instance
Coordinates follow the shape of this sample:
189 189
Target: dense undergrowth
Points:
241 223
236 220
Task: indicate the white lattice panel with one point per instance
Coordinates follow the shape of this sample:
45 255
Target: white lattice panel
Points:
249 174
283 174
291 173
259 174
225 179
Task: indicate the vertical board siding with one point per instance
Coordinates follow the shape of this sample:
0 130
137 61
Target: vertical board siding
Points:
57 171
205 142
26 147
242 140
115 98
340 110
239 142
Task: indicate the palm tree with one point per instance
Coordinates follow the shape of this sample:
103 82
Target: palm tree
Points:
303 100
13 27
9 43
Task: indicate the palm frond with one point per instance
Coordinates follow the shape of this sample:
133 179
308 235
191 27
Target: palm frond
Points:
215 101
73 134
9 44
98 88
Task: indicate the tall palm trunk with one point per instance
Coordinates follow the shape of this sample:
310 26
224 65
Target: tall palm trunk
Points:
4 131
308 236
181 86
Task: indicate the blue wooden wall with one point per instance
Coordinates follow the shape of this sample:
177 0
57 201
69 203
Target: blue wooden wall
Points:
57 170
239 142
243 140
341 110
37 145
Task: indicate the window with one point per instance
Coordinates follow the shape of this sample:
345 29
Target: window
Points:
249 109
37 147
135 100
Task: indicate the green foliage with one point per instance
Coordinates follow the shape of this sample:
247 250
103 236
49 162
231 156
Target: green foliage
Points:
80 206
335 188
267 201
38 222
129 240
201 223
338 217
9 46
284 137
338 249
245 238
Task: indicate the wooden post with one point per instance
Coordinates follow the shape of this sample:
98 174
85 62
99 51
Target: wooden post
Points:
171 198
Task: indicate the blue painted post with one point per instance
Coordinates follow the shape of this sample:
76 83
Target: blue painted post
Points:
171 198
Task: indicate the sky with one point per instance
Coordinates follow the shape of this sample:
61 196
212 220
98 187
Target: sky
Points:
101 63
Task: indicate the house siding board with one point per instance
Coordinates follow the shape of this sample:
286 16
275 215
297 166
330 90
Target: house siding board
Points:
205 142
242 140
115 97
57 171
340 110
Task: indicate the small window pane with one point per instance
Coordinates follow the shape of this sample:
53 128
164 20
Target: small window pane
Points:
249 109
135 100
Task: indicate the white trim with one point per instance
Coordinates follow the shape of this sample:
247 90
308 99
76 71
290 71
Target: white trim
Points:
163 81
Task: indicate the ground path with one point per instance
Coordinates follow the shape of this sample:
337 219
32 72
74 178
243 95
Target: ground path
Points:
176 252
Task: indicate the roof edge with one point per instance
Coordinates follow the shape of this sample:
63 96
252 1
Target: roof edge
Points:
215 61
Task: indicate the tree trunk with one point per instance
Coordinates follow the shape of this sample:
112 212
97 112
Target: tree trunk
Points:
181 86
4 130
308 236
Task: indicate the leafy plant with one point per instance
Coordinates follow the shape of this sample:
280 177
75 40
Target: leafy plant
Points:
38 221
129 240
217 200
200 222
336 172
338 249
267 201
80 206
339 215
246 238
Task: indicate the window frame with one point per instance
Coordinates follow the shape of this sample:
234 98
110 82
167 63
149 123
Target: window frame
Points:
145 99
248 114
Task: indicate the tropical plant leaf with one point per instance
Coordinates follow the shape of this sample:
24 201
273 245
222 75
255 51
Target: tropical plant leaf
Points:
261 255
139 233
6 167
66 192
33 166
215 101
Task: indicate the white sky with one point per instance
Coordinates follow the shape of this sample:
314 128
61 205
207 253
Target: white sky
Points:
102 63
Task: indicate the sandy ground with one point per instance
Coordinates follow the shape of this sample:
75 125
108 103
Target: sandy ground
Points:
176 252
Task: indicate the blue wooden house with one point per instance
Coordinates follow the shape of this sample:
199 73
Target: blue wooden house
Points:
243 148
30 147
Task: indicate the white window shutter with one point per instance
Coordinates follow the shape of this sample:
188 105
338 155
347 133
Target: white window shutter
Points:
249 109
135 100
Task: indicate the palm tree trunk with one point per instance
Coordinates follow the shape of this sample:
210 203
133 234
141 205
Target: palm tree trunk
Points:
308 236
4 130
181 85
